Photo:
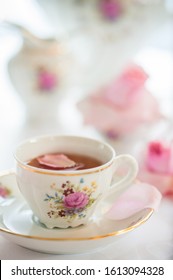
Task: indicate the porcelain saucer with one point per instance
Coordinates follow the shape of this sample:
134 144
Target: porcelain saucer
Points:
19 225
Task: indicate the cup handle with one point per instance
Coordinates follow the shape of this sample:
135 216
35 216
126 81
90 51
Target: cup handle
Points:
132 165
123 183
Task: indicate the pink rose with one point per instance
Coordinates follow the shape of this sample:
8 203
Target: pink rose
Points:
76 200
122 106
159 158
107 118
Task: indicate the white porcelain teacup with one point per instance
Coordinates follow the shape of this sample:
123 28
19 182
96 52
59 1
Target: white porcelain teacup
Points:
68 198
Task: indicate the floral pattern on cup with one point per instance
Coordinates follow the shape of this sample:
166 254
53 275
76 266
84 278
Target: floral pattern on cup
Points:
4 191
71 200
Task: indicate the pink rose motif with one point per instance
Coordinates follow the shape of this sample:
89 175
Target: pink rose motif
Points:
76 200
159 158
110 9
46 81
4 192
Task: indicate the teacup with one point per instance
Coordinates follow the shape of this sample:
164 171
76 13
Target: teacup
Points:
68 198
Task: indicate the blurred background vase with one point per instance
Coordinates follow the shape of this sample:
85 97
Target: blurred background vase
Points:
39 73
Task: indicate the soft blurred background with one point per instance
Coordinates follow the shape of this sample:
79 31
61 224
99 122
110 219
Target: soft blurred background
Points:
99 68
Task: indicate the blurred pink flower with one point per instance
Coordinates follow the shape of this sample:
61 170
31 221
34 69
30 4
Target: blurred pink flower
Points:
122 106
126 89
110 9
111 120
76 200
156 167
159 158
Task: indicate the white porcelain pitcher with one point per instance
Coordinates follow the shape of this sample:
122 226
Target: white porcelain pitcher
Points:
40 72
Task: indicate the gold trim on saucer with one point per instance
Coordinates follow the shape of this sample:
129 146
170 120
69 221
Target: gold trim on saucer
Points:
141 221
115 233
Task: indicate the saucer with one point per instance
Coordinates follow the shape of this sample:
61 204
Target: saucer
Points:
19 225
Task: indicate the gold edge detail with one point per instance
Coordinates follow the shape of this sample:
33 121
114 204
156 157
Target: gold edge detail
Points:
115 233
62 174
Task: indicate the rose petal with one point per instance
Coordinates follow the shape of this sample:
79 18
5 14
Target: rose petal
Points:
56 161
139 196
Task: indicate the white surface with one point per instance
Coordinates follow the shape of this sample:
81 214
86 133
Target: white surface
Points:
153 240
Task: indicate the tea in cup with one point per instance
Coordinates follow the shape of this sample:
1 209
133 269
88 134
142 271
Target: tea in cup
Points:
63 178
